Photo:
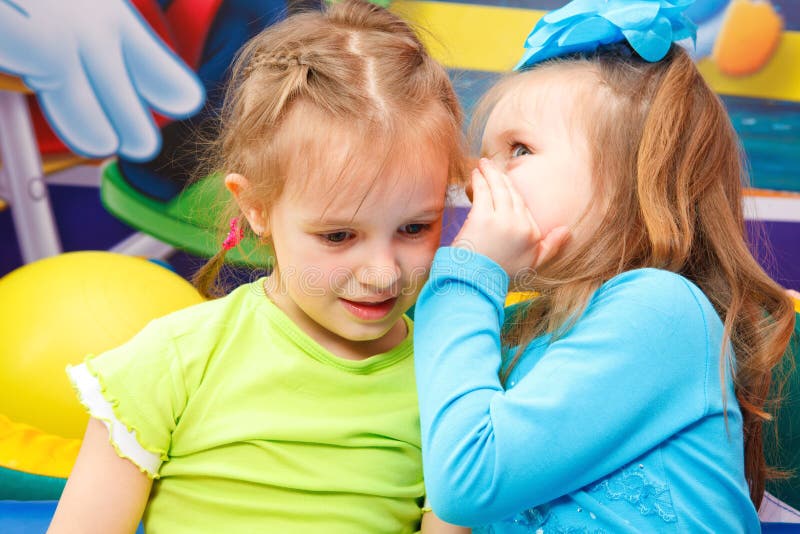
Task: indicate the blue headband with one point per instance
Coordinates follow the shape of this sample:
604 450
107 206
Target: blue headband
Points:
648 26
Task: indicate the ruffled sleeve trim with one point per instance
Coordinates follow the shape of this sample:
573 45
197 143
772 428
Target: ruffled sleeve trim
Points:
91 395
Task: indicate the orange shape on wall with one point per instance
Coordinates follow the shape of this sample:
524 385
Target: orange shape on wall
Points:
748 38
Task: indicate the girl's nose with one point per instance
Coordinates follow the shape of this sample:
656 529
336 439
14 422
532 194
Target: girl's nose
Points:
381 271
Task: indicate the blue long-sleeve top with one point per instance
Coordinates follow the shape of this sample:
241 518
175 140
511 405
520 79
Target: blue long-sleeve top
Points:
618 425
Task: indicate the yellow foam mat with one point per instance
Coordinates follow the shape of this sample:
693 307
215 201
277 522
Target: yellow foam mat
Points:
30 450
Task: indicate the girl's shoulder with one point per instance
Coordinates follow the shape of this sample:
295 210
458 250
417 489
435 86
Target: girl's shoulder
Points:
212 316
642 293
656 313
650 277
658 301
658 288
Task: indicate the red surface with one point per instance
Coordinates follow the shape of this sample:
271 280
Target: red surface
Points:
190 21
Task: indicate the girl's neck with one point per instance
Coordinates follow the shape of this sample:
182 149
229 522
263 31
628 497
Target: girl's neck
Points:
361 350
337 345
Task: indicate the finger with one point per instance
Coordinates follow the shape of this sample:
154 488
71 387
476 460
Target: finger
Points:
13 11
480 198
516 199
501 199
139 139
481 194
78 119
551 244
161 78
17 41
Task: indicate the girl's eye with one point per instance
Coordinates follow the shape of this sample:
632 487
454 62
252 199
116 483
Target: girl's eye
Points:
518 150
414 229
336 237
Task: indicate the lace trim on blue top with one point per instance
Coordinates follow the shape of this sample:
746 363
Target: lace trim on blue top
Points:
631 485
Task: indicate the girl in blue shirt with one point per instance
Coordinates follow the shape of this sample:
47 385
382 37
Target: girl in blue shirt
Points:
629 395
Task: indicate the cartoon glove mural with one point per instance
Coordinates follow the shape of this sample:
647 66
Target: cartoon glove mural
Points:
97 69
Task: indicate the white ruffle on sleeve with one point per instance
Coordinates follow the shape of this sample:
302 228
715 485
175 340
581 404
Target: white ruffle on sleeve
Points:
123 440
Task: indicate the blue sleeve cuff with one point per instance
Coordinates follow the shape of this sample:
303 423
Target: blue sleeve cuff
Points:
468 269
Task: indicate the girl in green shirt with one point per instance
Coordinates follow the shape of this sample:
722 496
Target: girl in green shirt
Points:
289 405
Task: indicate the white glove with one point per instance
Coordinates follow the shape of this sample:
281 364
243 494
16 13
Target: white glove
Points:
97 68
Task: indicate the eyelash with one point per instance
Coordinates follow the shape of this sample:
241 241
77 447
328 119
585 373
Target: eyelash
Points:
513 146
328 238
342 236
423 228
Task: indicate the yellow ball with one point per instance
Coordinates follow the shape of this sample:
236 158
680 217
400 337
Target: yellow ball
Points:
56 311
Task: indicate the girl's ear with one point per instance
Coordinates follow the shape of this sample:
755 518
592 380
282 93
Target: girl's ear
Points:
240 188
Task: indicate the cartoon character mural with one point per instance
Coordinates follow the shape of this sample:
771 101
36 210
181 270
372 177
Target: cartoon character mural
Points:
97 69
100 68
741 37
124 56
747 51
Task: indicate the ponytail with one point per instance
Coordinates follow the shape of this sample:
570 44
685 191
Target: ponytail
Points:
205 279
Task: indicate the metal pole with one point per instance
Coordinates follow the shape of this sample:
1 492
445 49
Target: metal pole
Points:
30 204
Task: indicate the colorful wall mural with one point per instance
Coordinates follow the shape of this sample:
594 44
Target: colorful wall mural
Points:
746 49
97 149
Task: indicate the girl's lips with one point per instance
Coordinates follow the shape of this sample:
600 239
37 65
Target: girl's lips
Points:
369 311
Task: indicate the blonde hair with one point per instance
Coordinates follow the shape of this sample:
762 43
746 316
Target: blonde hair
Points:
353 70
669 168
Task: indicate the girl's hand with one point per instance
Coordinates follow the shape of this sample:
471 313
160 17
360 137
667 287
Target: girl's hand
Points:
500 226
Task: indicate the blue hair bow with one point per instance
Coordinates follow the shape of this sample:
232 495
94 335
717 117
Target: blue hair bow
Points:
649 27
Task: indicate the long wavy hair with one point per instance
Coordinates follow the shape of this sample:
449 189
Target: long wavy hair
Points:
352 73
669 167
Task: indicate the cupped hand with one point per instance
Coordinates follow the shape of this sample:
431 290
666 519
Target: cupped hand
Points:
501 227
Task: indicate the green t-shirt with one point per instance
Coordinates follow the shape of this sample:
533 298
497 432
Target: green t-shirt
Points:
263 430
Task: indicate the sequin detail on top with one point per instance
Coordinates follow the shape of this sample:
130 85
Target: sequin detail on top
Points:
537 520
631 485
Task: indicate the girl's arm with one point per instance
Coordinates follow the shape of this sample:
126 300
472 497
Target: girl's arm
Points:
636 369
105 493
433 525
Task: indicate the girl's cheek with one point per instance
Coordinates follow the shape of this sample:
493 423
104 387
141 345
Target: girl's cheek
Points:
339 277
432 243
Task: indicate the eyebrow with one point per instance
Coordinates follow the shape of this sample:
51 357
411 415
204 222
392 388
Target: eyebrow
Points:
432 213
